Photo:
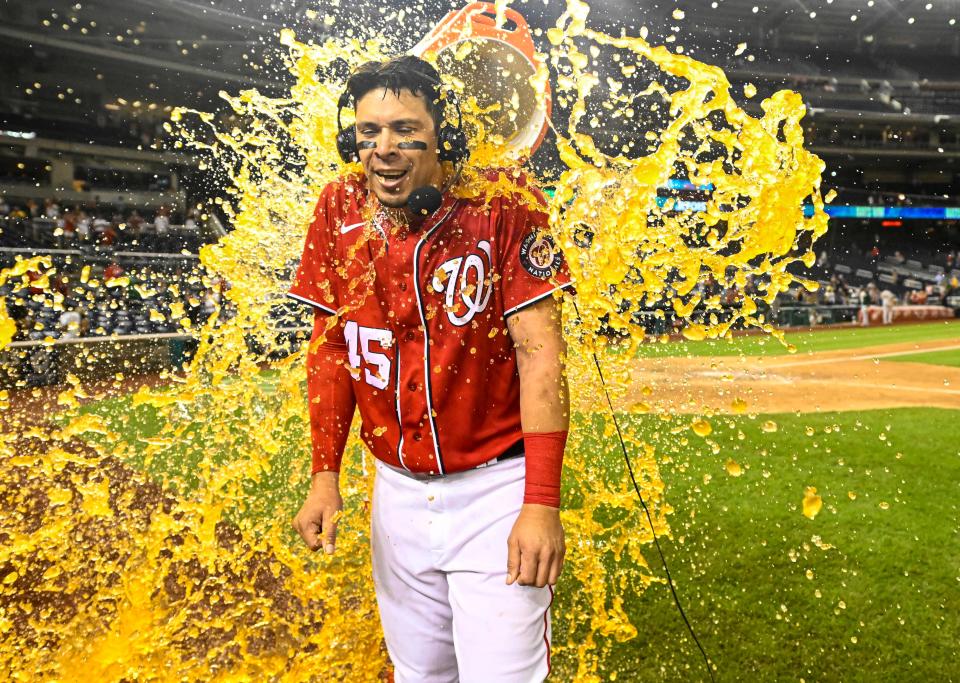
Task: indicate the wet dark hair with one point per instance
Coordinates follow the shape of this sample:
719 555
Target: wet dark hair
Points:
400 73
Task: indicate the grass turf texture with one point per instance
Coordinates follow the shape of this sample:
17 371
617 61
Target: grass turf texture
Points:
951 358
829 339
742 546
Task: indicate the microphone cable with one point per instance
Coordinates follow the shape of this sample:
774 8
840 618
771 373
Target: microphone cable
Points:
646 509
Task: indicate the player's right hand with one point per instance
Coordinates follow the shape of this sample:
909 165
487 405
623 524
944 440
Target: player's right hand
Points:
316 522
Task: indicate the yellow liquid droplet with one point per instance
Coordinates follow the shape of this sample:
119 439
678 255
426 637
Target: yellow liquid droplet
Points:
701 427
811 503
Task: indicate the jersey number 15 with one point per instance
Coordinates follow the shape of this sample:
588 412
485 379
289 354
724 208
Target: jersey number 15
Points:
376 364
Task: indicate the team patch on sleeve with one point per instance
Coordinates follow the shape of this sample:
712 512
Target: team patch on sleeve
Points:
540 256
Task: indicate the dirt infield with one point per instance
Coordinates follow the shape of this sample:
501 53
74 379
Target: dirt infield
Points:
850 379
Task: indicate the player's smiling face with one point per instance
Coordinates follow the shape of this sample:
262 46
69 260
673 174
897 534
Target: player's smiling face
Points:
386 125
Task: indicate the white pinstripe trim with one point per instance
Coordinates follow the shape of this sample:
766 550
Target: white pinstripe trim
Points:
426 334
534 300
305 300
399 414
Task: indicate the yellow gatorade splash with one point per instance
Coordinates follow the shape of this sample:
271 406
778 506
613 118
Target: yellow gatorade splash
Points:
752 227
146 535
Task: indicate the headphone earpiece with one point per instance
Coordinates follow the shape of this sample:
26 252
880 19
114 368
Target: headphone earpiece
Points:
452 144
346 137
347 144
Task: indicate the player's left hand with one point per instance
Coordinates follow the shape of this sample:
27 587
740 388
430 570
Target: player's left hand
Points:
535 547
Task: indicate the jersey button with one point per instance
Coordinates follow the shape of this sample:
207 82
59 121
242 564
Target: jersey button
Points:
413 386
418 436
402 286
409 336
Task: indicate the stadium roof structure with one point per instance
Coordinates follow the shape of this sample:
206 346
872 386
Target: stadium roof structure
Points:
73 62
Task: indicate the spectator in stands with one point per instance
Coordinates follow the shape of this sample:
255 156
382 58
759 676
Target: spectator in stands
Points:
952 288
191 222
135 223
4 206
864 299
709 288
887 301
108 235
113 271
100 224
934 295
33 209
843 290
730 296
71 323
67 225
34 275
210 303
83 226
51 209
161 225
60 284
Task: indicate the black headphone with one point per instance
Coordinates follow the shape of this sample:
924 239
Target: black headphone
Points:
451 140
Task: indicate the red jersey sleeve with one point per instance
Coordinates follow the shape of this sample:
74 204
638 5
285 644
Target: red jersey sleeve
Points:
314 282
332 401
531 264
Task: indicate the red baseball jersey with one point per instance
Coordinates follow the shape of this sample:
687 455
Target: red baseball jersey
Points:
423 317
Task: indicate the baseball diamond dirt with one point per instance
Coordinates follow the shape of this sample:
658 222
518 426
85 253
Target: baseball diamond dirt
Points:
848 379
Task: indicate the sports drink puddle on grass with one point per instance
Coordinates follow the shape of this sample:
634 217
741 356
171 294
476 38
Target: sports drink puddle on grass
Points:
146 536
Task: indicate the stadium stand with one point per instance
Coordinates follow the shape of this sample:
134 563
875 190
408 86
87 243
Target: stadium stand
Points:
77 156
117 274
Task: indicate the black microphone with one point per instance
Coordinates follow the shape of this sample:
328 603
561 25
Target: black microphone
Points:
423 201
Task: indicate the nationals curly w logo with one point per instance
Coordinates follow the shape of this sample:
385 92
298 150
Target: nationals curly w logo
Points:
466 284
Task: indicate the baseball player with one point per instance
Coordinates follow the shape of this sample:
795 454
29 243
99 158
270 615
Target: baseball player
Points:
444 331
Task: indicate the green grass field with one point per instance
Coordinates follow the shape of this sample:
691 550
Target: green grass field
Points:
882 604
809 341
951 358
869 590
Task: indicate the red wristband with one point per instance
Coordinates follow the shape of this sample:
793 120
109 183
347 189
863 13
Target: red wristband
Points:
544 458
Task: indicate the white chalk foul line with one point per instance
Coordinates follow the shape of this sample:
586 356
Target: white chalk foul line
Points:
870 356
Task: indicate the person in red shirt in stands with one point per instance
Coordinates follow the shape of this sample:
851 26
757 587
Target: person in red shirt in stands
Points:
114 270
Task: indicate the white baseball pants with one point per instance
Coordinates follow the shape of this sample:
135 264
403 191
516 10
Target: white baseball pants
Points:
439 569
